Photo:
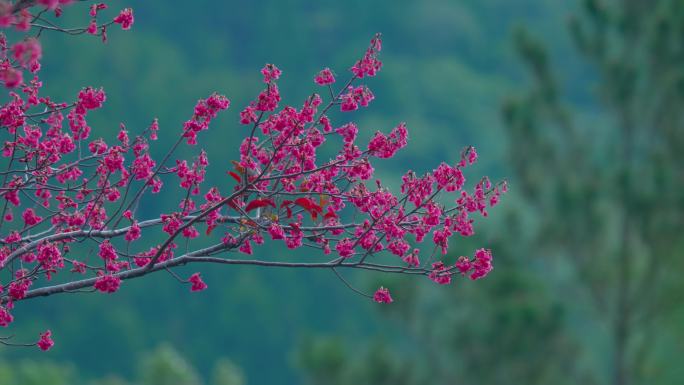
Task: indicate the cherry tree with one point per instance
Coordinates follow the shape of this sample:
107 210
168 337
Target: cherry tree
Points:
71 202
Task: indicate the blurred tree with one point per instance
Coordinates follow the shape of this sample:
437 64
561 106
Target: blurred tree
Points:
610 195
166 366
109 380
327 361
508 331
323 360
227 373
28 372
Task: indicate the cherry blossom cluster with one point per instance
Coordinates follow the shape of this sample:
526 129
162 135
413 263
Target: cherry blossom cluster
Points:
71 200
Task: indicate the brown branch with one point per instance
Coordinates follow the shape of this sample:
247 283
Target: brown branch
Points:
203 256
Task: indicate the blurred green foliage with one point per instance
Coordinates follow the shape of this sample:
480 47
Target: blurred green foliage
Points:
162 366
166 366
598 180
27 372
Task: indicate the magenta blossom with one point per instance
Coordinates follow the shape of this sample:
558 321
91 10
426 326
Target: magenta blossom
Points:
197 283
382 295
45 342
125 18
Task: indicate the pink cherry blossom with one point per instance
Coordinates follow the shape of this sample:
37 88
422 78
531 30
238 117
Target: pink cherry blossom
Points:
482 264
382 295
30 217
369 65
271 73
107 283
324 77
133 233
5 317
345 248
197 283
125 18
463 264
440 273
45 342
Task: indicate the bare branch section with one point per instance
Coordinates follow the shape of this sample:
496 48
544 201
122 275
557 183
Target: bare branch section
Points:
71 202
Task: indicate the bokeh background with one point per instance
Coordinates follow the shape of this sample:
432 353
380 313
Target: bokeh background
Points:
579 104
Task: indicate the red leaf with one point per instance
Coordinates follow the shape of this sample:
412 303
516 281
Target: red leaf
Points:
323 200
235 176
310 206
232 204
238 167
262 202
287 204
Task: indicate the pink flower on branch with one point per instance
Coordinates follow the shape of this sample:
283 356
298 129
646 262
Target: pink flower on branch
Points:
84 200
382 295
125 18
107 283
324 77
5 317
45 342
369 65
197 283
